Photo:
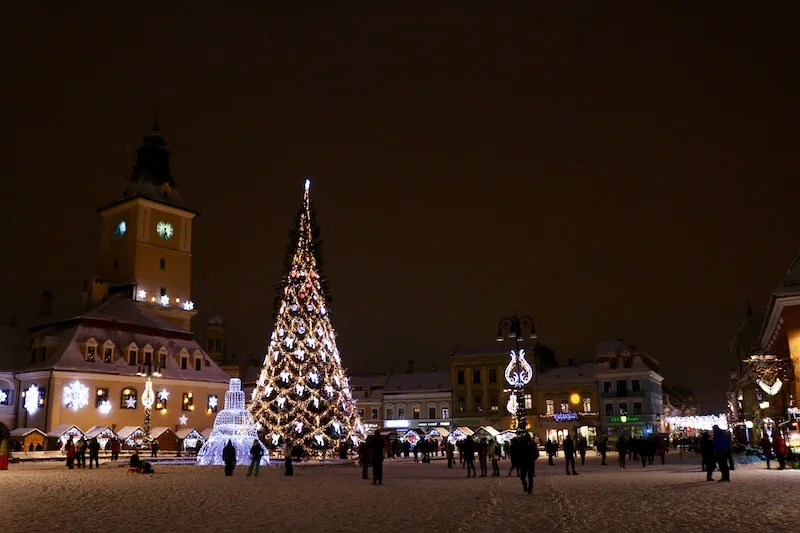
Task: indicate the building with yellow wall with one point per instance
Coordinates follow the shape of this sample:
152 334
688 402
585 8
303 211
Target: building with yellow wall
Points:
567 403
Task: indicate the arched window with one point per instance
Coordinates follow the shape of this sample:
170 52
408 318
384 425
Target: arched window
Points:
133 353
129 398
162 357
90 350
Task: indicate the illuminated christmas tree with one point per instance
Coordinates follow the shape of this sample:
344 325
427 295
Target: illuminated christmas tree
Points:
303 394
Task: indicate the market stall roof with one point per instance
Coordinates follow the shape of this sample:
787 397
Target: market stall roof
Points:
189 433
127 431
488 429
24 432
159 431
63 429
206 433
95 431
507 434
442 432
465 430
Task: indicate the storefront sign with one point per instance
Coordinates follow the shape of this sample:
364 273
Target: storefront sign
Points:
624 419
443 423
563 417
395 424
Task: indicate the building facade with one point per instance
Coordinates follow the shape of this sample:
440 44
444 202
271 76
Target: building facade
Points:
629 389
367 391
566 403
417 400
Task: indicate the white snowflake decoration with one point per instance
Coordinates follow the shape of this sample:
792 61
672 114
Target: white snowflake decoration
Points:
299 389
164 299
104 407
32 399
298 427
285 376
336 426
212 402
275 439
76 395
314 377
320 440
281 401
267 390
3 396
316 402
130 403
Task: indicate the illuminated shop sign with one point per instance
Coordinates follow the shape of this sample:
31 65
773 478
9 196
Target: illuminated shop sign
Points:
624 419
564 417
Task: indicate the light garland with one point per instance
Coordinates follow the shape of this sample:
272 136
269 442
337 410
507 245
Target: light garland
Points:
32 400
302 393
704 422
75 395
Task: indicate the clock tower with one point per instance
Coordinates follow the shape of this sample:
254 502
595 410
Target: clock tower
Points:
146 237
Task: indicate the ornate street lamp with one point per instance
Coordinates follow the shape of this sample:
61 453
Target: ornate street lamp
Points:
518 372
148 396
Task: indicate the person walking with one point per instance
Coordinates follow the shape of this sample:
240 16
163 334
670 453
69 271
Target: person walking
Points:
766 448
515 454
494 452
622 450
364 457
569 454
288 450
69 451
5 446
376 454
582 445
80 452
721 445
115 448
662 448
94 453
229 458
469 455
707 454
483 452
529 452
602 448
780 450
256 453
450 450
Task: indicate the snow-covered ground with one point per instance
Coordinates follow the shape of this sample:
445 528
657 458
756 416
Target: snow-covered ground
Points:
414 497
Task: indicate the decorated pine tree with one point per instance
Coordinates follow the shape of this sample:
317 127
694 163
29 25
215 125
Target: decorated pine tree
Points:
303 394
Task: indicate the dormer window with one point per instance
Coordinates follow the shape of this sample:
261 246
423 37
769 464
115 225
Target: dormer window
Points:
133 354
90 350
198 360
43 353
108 351
613 363
162 357
147 355
184 359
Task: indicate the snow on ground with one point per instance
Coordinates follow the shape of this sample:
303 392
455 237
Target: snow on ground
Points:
322 499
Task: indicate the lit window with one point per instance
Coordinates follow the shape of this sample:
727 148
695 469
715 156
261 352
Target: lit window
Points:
360 412
374 413
108 354
445 413
494 404
100 397
462 404
623 408
129 398
401 413
6 397
91 350
389 414
188 402
213 403
528 401
587 404
416 413
161 400
550 408
564 406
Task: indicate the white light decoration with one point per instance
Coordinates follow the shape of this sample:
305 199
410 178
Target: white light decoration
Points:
298 427
141 294
763 405
316 402
299 389
320 440
163 300
704 422
148 396
234 424
267 390
104 407
188 305
518 371
511 406
336 426
75 395
773 389
329 390
289 342
130 403
163 395
285 376
314 377
183 420
3 396
281 402
32 399
212 402
275 439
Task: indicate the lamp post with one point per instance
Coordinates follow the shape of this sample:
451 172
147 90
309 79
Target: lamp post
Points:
148 396
518 372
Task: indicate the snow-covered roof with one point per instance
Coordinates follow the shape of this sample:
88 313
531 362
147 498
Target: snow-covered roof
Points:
206 433
368 380
159 431
488 429
568 374
24 432
479 352
63 429
188 433
127 431
96 431
442 432
463 429
123 322
418 382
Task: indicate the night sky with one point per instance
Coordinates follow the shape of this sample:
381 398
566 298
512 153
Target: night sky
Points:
613 172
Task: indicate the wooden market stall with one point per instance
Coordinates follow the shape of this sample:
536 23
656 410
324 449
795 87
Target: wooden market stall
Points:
102 433
190 439
29 439
61 434
166 439
131 437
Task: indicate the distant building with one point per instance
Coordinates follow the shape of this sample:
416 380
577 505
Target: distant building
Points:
215 339
417 400
678 401
567 403
630 391
367 391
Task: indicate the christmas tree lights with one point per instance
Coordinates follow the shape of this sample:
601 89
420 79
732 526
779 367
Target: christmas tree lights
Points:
233 423
303 394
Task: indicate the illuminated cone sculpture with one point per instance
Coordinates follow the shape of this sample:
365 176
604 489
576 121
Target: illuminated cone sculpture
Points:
303 393
235 424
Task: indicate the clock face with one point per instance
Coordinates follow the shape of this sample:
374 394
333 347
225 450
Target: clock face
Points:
164 230
120 230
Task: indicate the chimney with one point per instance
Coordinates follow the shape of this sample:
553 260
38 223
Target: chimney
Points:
410 369
45 305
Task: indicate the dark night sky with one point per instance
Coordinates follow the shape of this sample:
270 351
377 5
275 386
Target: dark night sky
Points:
612 172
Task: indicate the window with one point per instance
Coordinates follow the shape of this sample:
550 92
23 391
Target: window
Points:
163 264
213 403
492 375
494 404
622 387
91 350
401 413
460 375
198 363
478 403
549 406
6 397
147 359
210 347
637 408
33 355
360 412
129 398
635 385
44 353
476 376
162 358
431 412
462 404
133 353
627 362
613 363
108 354
389 414
374 413
528 401
609 409
188 402
161 400
100 397
564 406
415 413
587 404
607 387
163 291
184 362
219 345
623 408
445 413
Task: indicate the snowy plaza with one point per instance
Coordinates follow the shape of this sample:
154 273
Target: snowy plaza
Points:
414 497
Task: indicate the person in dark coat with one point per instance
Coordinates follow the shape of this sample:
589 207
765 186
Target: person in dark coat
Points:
288 450
515 454
780 450
569 454
602 447
766 447
707 452
376 455
622 450
529 452
364 459
229 458
469 455
94 453
721 445
256 453
582 445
